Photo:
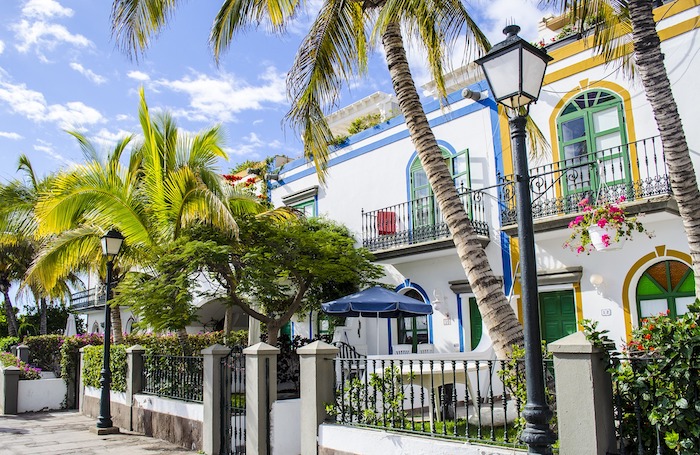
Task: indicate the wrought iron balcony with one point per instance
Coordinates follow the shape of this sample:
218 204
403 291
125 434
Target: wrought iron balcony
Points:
418 221
93 297
636 170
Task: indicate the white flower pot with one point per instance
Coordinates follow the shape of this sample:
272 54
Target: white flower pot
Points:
596 232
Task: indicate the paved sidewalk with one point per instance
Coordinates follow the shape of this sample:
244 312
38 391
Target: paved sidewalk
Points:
67 433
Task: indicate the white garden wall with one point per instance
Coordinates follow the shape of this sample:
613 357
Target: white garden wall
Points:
40 395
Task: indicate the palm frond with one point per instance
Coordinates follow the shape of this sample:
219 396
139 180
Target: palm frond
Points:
334 51
134 22
235 16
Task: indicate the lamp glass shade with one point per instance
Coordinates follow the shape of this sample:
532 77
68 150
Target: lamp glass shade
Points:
112 243
515 70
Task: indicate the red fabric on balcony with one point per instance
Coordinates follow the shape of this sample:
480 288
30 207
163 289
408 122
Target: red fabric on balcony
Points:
386 223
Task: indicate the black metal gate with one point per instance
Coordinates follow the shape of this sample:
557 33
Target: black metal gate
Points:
233 402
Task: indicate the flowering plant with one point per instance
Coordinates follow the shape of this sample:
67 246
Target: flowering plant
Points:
608 216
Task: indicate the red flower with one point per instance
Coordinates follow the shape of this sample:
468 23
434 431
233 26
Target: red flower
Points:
647 336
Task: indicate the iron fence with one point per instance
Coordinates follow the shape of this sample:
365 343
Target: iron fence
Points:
419 220
454 398
177 377
636 170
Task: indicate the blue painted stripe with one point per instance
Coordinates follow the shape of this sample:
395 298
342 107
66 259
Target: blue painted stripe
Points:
311 324
388 326
430 107
460 322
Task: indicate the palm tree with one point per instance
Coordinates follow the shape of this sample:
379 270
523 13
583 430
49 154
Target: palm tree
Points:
334 51
614 19
169 183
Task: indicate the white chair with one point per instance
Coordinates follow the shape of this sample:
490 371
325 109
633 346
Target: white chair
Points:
399 349
426 348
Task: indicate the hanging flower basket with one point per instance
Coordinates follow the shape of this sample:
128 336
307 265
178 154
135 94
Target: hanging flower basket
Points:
602 228
603 238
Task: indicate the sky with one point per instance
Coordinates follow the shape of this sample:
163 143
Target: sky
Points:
60 70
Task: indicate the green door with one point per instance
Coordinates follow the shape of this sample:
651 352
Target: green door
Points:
475 327
557 315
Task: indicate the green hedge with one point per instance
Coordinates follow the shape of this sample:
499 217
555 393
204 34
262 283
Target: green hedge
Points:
45 352
7 342
92 366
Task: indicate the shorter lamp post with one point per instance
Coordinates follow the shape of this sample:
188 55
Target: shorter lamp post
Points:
514 71
111 244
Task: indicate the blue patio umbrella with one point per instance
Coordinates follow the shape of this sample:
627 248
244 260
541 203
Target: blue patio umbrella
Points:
377 302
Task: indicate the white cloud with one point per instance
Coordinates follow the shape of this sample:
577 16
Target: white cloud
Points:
45 9
9 135
47 148
138 75
123 117
2 47
253 147
45 36
32 105
108 139
92 76
496 14
217 99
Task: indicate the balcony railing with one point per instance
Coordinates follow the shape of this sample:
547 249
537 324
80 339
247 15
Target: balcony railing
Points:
92 297
418 221
636 170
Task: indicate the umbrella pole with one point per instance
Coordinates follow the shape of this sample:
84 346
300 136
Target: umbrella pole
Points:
377 332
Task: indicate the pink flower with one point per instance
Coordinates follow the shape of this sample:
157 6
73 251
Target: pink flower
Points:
622 199
606 240
583 202
602 222
580 249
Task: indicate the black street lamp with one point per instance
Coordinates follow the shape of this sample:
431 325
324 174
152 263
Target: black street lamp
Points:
111 244
514 71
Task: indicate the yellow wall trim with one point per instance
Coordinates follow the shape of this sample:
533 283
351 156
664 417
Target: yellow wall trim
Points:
592 62
645 261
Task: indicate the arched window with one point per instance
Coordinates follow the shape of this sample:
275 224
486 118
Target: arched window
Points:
593 146
129 327
665 286
413 331
426 218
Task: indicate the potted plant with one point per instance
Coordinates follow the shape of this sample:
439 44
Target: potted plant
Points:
602 228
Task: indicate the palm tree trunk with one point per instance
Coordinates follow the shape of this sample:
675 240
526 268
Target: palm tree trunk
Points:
117 332
12 326
228 320
43 326
650 63
501 322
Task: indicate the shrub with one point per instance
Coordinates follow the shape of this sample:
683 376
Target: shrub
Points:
69 352
92 366
45 352
7 342
364 122
25 371
661 376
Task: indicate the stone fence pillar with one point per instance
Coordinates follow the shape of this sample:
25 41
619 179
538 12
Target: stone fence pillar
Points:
23 353
213 397
584 397
317 389
260 393
134 378
9 384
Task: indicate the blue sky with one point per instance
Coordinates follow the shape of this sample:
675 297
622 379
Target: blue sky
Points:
60 69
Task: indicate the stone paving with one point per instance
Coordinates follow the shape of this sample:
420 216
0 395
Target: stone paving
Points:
67 433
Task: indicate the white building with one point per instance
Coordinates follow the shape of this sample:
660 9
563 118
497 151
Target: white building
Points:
604 144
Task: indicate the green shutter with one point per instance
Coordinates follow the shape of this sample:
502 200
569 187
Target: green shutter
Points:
475 326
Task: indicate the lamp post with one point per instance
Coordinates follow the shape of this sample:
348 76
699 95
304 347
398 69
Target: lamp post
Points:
111 244
514 71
